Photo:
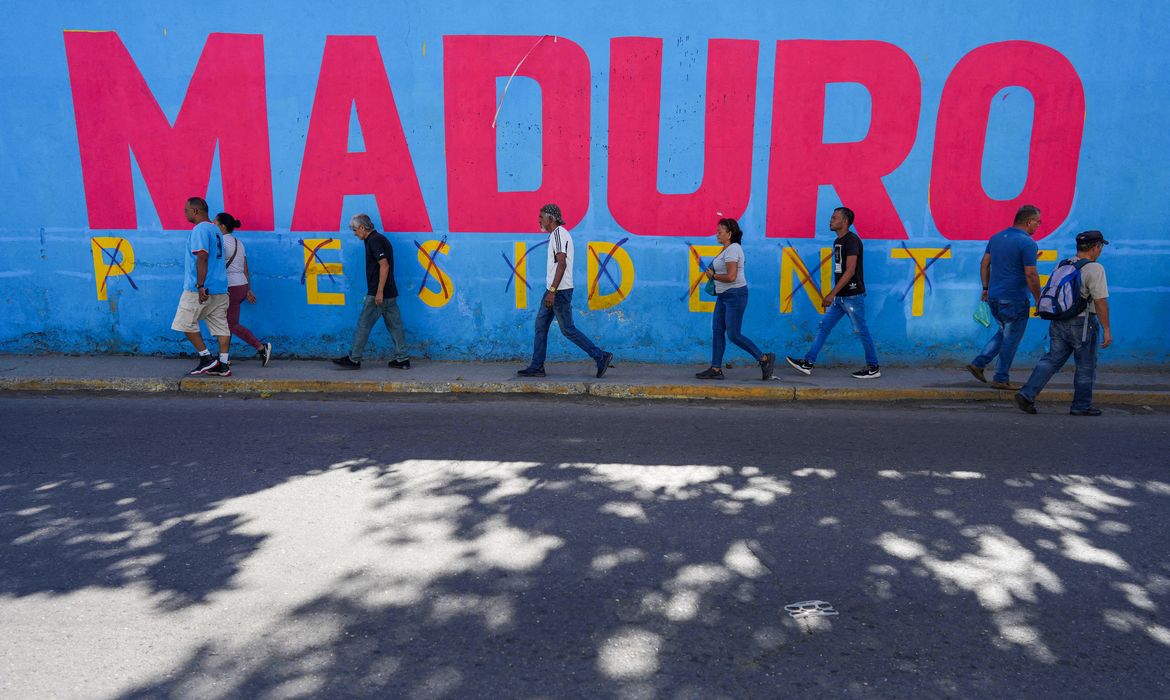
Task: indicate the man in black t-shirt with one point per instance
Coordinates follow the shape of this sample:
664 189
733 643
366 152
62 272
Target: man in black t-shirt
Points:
847 298
381 297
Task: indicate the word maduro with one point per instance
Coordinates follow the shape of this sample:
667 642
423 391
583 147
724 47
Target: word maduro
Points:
117 114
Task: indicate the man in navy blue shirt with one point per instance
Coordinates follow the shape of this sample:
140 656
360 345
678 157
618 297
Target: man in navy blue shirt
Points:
1008 271
381 298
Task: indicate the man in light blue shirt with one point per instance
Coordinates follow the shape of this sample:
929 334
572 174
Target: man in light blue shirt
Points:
1008 271
205 291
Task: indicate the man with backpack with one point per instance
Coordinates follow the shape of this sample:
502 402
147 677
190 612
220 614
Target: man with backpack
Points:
1076 300
1008 271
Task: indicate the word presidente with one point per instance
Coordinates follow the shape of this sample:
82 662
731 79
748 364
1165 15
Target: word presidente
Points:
609 279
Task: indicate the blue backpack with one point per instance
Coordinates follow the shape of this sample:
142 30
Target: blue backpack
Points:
1061 297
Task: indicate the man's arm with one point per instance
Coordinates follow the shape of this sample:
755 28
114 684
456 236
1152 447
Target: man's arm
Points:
1102 308
850 271
550 295
1033 279
201 274
383 275
985 273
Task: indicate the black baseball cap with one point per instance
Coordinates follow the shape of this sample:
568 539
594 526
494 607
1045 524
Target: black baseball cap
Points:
1091 237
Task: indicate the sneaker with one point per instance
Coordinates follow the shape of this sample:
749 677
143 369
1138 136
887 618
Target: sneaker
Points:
604 364
1085 412
867 372
531 372
345 363
206 362
803 366
221 369
977 372
768 365
710 373
399 364
1004 386
1025 405
264 353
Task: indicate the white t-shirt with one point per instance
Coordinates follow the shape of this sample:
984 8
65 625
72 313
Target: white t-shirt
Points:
235 271
559 241
1093 285
732 253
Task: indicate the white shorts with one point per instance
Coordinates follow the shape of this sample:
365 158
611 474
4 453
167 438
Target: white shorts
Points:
213 311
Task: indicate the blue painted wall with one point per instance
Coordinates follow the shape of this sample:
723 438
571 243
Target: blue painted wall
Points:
47 273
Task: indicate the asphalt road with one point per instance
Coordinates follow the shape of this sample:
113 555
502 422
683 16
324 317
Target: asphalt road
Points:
206 548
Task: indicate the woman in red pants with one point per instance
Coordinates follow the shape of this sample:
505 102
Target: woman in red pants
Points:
239 285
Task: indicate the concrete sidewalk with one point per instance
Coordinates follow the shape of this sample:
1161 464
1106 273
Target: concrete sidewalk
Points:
624 380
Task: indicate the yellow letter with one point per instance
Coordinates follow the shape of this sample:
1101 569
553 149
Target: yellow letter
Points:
112 257
314 268
791 265
595 250
921 257
520 250
697 279
429 250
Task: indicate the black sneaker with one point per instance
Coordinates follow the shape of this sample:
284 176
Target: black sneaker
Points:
531 372
867 372
710 373
1025 405
264 353
206 362
221 369
803 366
345 363
399 364
1085 412
604 364
768 365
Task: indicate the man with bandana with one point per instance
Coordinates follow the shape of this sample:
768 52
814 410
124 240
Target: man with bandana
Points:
558 297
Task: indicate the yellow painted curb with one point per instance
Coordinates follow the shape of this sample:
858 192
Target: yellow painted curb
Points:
773 391
519 387
153 386
233 385
733 392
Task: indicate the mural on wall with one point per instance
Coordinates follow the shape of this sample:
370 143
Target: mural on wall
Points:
453 140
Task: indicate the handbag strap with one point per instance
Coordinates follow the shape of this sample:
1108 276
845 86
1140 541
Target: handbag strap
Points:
235 251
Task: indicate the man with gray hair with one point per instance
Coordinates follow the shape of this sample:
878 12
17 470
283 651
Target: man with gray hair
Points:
558 298
381 297
1008 271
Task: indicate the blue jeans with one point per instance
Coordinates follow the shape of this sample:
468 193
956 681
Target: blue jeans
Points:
563 311
854 308
729 308
1012 317
1064 339
388 310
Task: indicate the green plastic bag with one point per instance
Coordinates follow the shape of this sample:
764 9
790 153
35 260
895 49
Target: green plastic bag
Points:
709 287
982 314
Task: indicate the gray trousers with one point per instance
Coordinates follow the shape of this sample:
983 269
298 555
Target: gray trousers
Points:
388 310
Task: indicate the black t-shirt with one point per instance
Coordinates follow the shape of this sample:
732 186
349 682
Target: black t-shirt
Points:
843 247
379 248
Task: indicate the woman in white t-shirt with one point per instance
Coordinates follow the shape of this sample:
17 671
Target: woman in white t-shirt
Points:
239 285
731 296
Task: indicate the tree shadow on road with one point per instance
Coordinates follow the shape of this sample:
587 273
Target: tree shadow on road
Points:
439 558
